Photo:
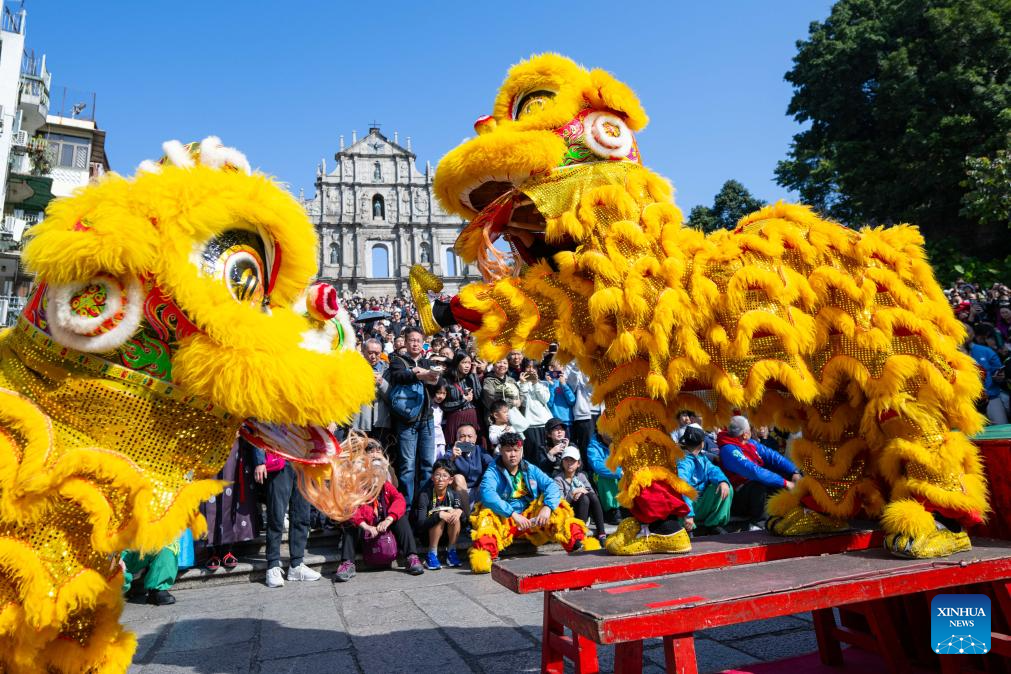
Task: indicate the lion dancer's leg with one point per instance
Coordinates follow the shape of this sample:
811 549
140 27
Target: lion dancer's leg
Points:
491 533
834 459
650 487
938 488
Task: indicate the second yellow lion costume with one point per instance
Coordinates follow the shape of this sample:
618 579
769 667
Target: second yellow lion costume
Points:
801 322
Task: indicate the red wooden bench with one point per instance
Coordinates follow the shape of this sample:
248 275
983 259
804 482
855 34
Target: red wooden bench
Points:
674 607
554 573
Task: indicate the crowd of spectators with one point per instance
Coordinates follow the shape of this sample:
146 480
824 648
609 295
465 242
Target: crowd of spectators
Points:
440 450
986 313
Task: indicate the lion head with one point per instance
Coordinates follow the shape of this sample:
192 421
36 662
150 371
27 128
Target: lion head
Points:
191 272
551 119
555 172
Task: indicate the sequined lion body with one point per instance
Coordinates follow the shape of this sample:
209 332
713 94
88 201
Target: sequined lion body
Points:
160 321
798 321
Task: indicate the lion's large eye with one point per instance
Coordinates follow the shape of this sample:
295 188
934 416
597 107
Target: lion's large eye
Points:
532 103
237 258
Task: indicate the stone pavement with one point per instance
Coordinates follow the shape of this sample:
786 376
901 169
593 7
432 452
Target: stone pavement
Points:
384 622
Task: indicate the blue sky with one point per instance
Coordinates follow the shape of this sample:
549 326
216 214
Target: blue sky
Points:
281 81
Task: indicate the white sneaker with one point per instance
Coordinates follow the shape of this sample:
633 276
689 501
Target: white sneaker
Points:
303 572
274 577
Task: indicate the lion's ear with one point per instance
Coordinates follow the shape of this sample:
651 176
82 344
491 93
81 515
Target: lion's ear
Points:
607 93
96 230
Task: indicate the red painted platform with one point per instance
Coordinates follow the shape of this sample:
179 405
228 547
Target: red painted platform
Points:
557 572
674 607
995 449
854 659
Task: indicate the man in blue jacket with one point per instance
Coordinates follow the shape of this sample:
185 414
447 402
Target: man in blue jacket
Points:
519 499
755 471
989 365
711 507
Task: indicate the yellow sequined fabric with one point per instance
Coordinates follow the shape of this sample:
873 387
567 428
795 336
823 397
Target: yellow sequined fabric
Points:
96 459
794 320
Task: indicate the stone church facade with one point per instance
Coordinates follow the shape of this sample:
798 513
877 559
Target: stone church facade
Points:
376 216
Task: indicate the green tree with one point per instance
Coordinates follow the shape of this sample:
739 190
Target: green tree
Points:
896 95
988 180
731 203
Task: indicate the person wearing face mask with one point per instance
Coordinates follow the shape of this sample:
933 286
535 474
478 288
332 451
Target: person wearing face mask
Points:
374 418
387 512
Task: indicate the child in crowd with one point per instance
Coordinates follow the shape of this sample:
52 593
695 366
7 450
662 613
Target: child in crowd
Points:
439 512
469 462
578 490
438 394
711 508
498 423
519 499
607 479
387 512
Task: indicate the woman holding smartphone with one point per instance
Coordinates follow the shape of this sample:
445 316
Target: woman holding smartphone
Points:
460 405
535 396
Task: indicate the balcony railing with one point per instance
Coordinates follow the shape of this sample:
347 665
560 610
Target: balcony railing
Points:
14 226
34 90
10 309
20 139
13 18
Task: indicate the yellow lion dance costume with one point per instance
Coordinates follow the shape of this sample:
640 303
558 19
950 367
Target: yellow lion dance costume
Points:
161 320
801 322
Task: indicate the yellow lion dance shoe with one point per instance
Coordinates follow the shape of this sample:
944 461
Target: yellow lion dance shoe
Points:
163 318
634 538
799 322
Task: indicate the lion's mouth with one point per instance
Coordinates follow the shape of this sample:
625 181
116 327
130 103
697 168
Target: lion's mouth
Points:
506 213
301 444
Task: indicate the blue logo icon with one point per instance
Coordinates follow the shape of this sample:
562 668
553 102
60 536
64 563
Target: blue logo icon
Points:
960 624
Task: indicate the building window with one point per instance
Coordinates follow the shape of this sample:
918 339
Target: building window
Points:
424 254
450 262
68 151
380 261
377 172
378 207
335 253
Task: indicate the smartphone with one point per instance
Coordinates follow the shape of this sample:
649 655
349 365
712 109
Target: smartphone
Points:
466 447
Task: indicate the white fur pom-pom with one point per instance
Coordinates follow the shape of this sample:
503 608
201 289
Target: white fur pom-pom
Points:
97 315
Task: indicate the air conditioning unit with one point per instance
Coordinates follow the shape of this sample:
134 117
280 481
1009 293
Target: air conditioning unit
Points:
21 139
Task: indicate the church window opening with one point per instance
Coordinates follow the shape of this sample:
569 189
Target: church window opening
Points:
335 253
377 172
450 262
380 261
378 207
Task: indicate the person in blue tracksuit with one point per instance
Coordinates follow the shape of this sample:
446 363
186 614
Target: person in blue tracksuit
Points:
607 479
711 506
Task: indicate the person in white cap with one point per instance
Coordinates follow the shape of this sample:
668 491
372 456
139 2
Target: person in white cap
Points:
577 489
